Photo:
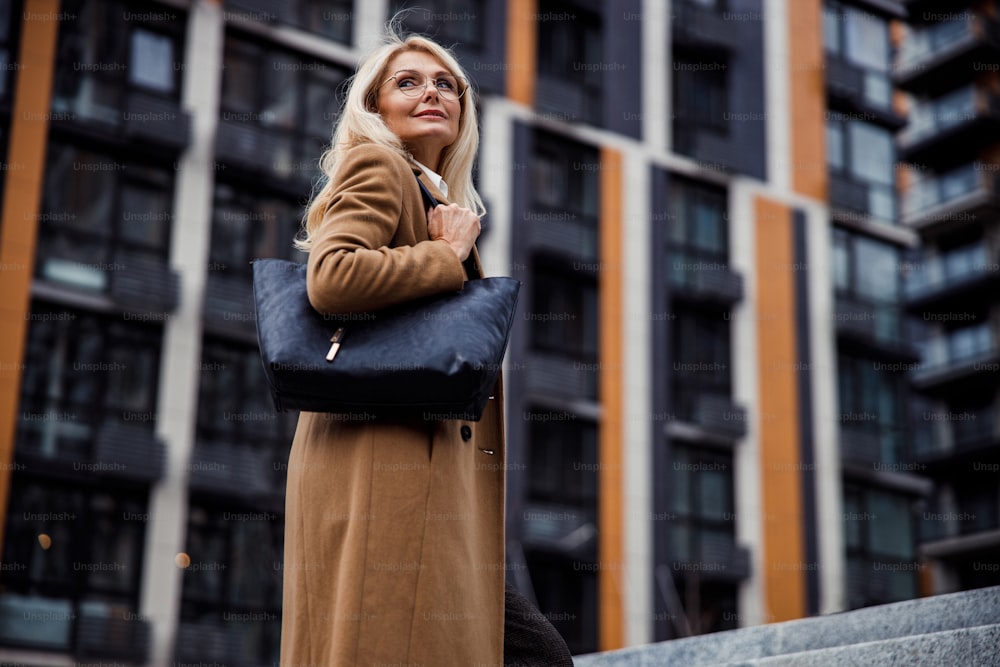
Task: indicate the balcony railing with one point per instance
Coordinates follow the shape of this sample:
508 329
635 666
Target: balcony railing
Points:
704 278
944 118
953 270
951 433
718 555
720 414
566 233
229 303
695 25
878 324
954 196
966 352
547 374
870 444
924 53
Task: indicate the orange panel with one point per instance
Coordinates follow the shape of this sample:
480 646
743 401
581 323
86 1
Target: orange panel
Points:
22 194
807 96
783 533
611 537
521 35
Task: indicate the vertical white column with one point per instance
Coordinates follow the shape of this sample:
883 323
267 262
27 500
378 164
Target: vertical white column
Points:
778 105
826 445
369 22
180 365
746 390
656 74
637 279
497 164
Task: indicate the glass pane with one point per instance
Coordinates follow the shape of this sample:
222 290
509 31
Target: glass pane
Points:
239 80
890 533
713 494
280 81
872 153
79 190
831 29
681 488
145 216
841 262
877 270
322 102
866 39
835 145
152 63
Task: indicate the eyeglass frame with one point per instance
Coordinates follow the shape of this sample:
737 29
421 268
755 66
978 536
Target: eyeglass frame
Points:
459 82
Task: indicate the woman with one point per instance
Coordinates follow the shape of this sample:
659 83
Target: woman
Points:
394 538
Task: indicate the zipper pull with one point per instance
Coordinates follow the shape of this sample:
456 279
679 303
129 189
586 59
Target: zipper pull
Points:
335 339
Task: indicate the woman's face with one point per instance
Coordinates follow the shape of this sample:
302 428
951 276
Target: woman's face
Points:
427 123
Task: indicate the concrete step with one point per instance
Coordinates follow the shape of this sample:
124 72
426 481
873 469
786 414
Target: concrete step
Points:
911 618
968 647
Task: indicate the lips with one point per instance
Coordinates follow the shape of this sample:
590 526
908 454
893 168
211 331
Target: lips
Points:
431 113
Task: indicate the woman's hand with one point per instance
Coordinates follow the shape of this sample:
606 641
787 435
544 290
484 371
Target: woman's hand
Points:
456 225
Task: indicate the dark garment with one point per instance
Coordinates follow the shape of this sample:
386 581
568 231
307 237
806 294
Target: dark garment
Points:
529 640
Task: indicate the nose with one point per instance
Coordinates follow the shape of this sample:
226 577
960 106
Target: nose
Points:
429 86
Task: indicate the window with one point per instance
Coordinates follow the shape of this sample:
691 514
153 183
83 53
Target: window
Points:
880 540
700 97
567 597
233 583
864 154
862 39
970 341
871 403
451 22
101 217
569 59
564 176
70 552
235 409
329 18
867 272
277 111
564 313
563 460
700 360
82 373
247 225
703 534
107 51
697 230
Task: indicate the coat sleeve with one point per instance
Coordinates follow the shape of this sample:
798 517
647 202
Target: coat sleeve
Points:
351 266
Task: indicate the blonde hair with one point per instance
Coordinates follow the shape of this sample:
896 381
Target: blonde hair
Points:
360 122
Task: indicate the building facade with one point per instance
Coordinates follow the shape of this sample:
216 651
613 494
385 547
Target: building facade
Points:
753 375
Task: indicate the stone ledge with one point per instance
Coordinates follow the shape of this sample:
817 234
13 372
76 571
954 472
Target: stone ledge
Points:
910 618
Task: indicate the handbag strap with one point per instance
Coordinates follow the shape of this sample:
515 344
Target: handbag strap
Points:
471 268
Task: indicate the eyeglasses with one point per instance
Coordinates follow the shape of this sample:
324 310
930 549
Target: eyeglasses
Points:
413 84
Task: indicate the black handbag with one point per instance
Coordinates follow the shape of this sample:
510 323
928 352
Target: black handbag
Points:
433 358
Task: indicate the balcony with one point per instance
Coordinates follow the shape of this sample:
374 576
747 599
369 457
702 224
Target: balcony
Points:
68 445
153 119
551 375
226 469
952 127
967 360
870 444
105 633
563 529
719 414
211 644
850 87
870 325
916 8
848 196
962 196
962 277
870 582
936 58
718 558
958 434
564 233
567 100
261 150
698 27
703 279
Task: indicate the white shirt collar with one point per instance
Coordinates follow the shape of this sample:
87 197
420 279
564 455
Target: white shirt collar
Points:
435 179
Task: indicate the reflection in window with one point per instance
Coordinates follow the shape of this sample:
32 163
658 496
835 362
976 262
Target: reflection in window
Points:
277 104
700 359
565 176
100 216
107 51
83 372
700 97
864 153
569 55
235 574
77 551
564 310
871 404
862 39
563 460
880 540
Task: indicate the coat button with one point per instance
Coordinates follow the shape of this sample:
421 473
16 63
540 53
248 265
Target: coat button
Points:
466 432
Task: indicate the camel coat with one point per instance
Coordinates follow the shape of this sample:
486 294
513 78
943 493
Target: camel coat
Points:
394 533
